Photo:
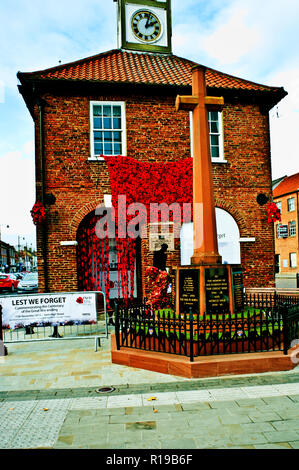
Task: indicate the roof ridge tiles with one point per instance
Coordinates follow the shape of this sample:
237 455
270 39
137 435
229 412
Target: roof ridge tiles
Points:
121 66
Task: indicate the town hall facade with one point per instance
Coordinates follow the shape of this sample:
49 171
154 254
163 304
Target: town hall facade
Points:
107 126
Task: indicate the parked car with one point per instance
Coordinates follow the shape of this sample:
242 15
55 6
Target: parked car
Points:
29 283
8 281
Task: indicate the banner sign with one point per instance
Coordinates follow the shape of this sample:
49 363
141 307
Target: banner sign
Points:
48 309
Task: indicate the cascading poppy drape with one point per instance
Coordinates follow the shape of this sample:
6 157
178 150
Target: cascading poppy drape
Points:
148 183
140 182
145 183
92 257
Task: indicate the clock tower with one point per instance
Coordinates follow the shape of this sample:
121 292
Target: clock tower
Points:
145 25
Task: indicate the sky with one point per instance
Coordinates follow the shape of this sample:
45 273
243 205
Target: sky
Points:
254 40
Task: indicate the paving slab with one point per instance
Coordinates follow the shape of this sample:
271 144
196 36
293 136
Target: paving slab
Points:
49 399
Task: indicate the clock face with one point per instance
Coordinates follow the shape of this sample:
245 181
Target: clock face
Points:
146 26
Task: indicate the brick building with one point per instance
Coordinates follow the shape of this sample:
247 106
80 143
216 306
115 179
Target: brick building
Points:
286 194
122 102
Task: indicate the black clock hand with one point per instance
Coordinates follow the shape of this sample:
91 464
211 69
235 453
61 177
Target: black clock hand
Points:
147 22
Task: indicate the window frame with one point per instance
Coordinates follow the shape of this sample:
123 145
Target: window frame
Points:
292 228
278 204
293 200
221 158
123 129
291 263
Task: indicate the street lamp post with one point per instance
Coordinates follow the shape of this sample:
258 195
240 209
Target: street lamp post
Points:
7 226
19 247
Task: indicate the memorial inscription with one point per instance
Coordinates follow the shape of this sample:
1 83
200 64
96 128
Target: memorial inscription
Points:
237 283
188 290
217 290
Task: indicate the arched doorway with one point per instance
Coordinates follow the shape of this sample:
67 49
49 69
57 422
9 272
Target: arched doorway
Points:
228 239
106 264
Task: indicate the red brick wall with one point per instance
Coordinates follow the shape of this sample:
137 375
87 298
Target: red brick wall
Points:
155 132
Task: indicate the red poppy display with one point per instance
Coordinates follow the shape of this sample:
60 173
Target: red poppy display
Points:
157 283
38 213
140 182
273 213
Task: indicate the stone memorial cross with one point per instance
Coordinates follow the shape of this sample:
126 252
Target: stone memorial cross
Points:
205 250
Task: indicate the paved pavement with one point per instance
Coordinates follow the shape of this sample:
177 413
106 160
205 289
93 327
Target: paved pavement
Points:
49 399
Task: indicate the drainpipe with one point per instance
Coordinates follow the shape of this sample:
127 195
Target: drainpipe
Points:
297 228
41 104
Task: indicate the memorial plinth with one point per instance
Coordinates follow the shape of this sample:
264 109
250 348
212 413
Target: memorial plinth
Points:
212 289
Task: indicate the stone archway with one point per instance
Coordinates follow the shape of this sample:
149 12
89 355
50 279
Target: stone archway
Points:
228 239
98 261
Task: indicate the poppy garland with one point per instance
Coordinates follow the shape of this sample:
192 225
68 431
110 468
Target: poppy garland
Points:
140 182
38 213
273 213
150 183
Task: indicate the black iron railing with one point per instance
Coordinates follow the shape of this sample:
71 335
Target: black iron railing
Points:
265 324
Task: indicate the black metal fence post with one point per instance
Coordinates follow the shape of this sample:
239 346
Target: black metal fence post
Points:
283 310
3 348
117 326
1 332
191 334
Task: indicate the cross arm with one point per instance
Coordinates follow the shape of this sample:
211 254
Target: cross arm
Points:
188 102
214 103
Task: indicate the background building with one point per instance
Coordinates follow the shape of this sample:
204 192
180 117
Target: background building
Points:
285 194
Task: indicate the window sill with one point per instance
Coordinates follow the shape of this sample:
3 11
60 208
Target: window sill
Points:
96 159
218 160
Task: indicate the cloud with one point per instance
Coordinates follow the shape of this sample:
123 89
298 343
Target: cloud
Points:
284 120
233 39
37 34
247 39
17 189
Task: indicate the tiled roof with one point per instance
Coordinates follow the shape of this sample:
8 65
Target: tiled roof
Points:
289 184
119 66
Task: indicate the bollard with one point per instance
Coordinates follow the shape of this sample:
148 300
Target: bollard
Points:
55 333
3 348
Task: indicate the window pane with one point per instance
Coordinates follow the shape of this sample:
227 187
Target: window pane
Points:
214 140
117 136
98 136
108 148
213 115
214 127
107 111
107 123
97 123
215 152
116 123
117 111
97 110
117 149
107 136
98 148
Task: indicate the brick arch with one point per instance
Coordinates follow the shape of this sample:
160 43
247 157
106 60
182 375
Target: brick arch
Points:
220 204
81 214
